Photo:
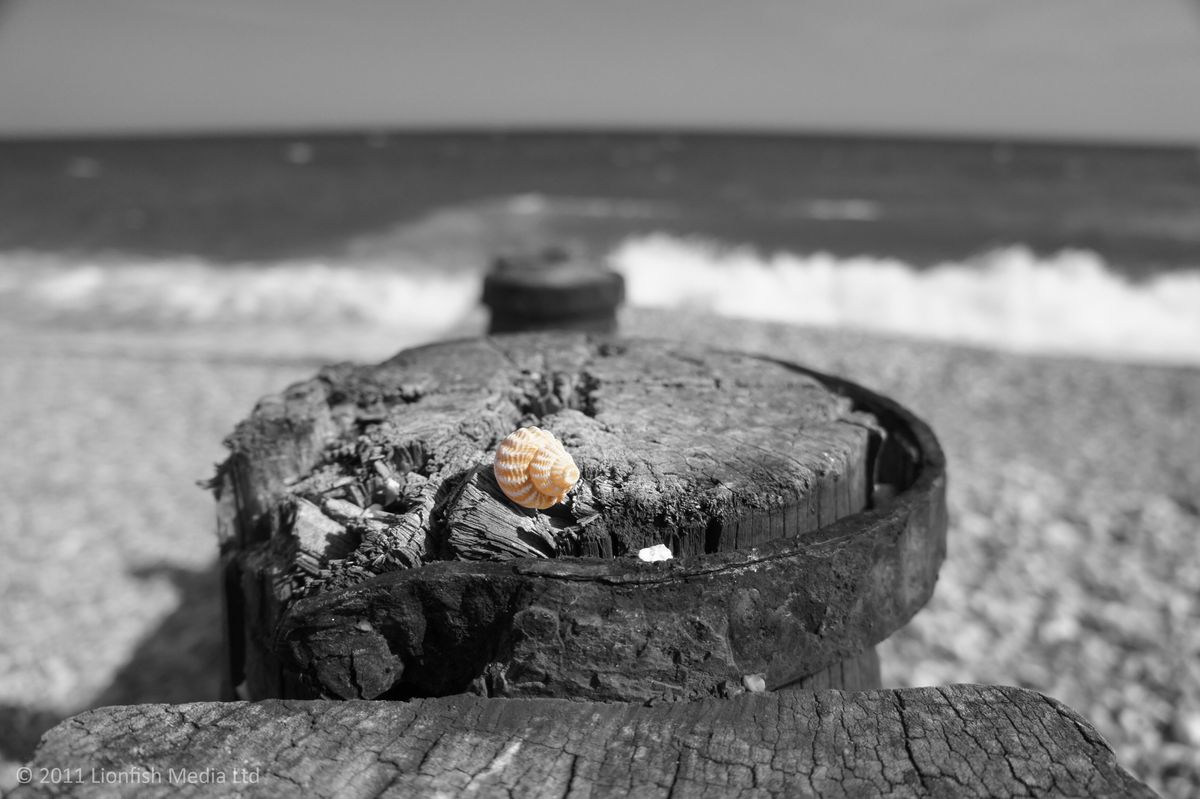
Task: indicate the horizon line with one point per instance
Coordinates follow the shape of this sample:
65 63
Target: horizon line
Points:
369 132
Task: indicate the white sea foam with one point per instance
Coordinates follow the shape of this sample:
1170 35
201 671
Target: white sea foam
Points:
1071 303
191 291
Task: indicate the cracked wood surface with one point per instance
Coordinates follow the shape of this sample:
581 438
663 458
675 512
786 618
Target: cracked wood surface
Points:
701 450
344 497
956 741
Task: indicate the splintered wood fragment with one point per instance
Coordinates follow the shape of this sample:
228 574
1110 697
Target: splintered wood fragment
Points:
956 741
318 537
481 525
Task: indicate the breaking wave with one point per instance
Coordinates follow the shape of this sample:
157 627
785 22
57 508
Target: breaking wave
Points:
192 291
1070 303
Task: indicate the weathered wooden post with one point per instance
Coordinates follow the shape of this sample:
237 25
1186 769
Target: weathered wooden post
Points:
552 289
369 553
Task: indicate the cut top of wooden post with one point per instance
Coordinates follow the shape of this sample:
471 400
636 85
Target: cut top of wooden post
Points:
368 469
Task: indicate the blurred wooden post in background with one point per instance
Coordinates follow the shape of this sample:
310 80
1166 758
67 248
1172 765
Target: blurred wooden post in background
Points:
552 289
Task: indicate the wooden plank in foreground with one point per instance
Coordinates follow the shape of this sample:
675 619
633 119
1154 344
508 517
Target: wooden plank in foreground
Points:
956 741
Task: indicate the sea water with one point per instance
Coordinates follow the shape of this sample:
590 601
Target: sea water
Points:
1082 251
1070 302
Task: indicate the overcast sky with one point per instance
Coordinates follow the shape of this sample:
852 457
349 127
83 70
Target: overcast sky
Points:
1112 69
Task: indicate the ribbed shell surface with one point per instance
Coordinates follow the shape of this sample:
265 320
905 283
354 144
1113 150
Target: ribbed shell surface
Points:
533 469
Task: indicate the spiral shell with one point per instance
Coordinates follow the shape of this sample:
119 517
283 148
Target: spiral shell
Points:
533 469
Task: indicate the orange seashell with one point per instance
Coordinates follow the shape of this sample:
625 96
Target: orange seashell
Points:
533 469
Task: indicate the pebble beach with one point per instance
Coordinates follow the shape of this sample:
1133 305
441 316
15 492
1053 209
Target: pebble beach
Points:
1071 567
